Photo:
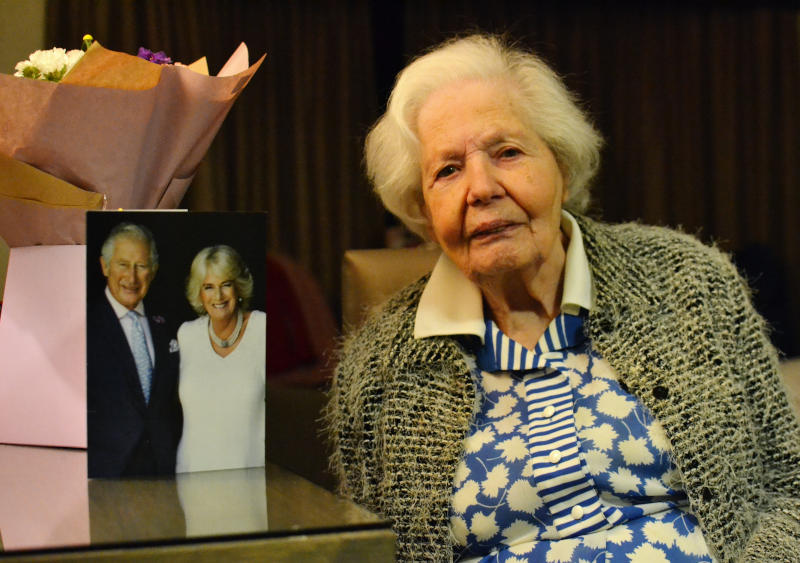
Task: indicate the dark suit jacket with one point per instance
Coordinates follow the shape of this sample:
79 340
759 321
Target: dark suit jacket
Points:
126 436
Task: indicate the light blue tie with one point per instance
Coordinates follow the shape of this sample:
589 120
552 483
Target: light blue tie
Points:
141 355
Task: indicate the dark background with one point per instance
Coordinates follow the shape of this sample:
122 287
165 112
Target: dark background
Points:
698 103
179 237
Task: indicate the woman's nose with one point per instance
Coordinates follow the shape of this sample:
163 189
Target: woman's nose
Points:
482 184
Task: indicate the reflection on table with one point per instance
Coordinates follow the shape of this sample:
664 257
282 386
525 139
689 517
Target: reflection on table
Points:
46 503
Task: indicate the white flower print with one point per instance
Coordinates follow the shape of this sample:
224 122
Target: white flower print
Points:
513 449
619 535
660 532
502 407
475 442
561 551
528 471
466 496
459 529
597 462
623 480
648 554
658 437
523 497
522 549
602 368
596 540
462 472
484 526
614 404
603 436
654 487
594 387
495 480
519 531
635 452
507 424
578 362
496 382
694 544
584 418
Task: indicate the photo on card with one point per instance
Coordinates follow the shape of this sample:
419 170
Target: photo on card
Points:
176 342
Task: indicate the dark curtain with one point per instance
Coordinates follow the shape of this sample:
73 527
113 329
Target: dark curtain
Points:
698 105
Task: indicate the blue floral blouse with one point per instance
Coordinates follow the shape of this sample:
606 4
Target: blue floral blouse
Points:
562 464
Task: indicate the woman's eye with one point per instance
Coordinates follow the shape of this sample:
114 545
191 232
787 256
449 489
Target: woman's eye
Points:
509 153
446 171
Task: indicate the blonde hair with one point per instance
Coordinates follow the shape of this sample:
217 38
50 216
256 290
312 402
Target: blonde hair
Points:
225 262
392 148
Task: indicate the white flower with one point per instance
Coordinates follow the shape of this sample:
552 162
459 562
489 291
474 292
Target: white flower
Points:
466 496
602 368
614 404
462 472
561 551
578 362
694 544
648 554
513 449
503 406
51 64
654 487
623 480
507 424
528 471
523 497
660 532
519 531
619 535
596 540
484 526
459 529
635 451
475 442
597 461
603 436
492 382
495 480
658 437
594 387
584 418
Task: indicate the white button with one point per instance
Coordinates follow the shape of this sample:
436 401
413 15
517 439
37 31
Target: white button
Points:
577 512
555 456
549 411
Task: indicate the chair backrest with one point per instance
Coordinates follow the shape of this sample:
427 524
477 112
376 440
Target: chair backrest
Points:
369 277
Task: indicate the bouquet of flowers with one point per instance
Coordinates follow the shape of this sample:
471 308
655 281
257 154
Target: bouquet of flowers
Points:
104 129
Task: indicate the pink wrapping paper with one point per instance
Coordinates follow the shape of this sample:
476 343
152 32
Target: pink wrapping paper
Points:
141 148
43 347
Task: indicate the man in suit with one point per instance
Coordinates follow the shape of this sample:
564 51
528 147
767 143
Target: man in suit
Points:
134 417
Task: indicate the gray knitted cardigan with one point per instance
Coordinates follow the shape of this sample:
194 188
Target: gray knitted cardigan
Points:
674 319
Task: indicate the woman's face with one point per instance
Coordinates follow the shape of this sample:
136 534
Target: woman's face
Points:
492 188
218 296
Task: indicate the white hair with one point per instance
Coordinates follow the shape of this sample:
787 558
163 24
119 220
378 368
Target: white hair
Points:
392 148
129 231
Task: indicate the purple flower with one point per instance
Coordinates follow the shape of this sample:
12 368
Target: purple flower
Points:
159 58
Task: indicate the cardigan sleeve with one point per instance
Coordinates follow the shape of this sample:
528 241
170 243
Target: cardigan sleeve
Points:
776 536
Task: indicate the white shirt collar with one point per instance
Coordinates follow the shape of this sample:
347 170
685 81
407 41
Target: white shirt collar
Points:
452 304
121 310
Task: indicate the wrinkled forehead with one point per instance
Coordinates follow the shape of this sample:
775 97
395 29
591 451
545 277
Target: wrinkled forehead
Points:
132 249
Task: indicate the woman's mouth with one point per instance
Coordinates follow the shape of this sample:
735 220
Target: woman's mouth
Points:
490 229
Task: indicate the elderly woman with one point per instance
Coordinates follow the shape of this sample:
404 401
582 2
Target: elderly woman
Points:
222 368
557 389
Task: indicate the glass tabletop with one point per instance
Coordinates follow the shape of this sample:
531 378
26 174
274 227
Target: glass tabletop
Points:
46 502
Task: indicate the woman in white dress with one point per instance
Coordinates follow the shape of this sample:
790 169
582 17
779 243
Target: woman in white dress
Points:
222 369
